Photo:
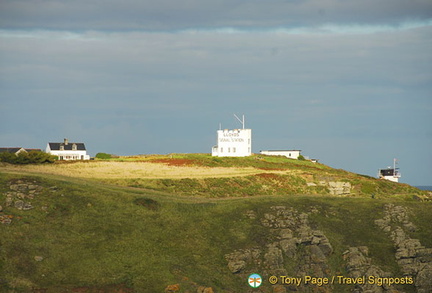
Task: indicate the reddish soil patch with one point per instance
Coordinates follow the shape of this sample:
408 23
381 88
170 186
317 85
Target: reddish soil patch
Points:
175 162
268 175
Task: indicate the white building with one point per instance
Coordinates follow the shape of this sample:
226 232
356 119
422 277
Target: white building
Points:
292 154
68 150
233 143
390 173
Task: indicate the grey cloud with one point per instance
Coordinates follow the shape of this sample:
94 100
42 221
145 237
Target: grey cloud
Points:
167 92
186 14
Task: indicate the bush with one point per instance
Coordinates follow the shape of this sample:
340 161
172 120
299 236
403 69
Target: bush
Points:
301 158
33 157
103 156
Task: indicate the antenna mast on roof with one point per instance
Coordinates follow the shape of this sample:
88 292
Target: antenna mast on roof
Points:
241 121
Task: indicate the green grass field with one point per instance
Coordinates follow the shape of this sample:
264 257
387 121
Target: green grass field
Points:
85 234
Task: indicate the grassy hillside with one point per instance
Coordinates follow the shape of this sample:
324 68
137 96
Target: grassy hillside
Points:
206 176
80 234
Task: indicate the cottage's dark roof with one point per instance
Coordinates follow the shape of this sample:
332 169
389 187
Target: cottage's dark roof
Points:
33 150
9 150
55 146
14 150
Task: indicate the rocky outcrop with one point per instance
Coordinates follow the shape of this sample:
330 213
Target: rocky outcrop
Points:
19 197
414 259
291 240
20 194
240 259
339 188
359 265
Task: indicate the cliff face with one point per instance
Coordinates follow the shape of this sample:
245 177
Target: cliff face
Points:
295 257
62 234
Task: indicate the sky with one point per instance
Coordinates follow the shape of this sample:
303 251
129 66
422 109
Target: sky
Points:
347 82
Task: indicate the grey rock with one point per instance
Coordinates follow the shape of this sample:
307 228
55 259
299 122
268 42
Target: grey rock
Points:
285 234
8 201
250 214
316 254
27 206
238 260
5 219
339 188
19 204
326 247
236 266
273 258
38 258
289 247
424 279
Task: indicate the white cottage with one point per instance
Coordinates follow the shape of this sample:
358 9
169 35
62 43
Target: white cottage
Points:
292 154
68 150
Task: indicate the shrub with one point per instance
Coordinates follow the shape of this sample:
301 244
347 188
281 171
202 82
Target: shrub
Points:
103 156
33 157
7 157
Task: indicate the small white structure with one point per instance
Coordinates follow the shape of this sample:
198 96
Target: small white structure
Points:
292 154
233 143
390 173
68 150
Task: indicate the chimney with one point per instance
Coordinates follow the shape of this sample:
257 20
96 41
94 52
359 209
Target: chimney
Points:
66 141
